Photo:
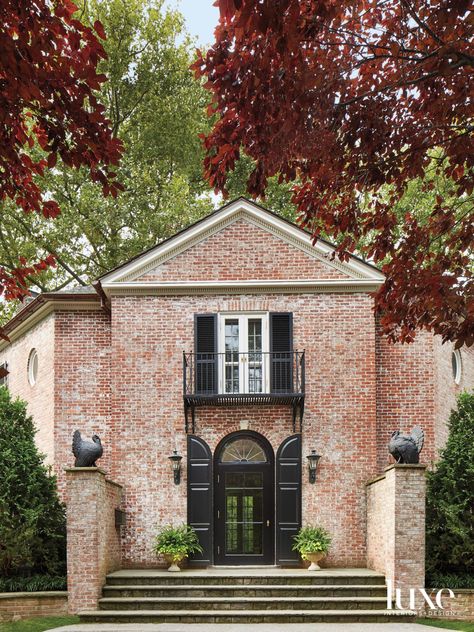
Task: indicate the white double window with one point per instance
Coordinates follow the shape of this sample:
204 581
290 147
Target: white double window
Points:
243 358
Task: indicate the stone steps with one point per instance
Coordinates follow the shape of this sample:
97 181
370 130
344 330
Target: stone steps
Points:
250 590
246 616
199 578
243 603
245 596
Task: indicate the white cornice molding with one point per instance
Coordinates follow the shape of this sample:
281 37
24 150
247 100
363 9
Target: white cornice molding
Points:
288 286
43 312
220 219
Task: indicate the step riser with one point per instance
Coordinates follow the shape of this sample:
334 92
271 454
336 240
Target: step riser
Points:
350 617
310 591
243 605
307 580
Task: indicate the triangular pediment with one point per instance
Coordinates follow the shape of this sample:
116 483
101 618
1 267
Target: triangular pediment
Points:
240 243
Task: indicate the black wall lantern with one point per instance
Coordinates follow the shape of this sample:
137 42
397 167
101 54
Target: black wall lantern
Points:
175 459
313 459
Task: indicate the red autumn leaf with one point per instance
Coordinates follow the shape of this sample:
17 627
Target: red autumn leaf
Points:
99 29
52 159
44 50
51 209
342 98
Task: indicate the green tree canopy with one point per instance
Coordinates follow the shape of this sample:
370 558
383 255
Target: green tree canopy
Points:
158 109
32 519
450 497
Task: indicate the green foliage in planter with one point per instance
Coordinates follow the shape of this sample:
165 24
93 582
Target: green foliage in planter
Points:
35 583
450 498
177 542
311 539
32 519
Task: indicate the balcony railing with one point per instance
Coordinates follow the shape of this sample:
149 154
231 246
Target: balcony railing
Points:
234 378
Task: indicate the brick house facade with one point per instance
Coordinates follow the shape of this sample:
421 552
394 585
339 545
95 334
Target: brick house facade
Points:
243 347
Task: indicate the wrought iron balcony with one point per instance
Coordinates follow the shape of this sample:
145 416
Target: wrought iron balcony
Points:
233 378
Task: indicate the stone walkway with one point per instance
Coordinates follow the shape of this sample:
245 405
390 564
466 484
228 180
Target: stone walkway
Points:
262 627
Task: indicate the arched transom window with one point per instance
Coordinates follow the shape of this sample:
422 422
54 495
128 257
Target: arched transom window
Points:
243 450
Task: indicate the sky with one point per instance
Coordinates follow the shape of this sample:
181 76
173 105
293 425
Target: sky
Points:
201 17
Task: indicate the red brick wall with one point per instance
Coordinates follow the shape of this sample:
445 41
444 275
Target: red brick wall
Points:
460 607
230 254
17 606
149 335
406 390
40 397
82 380
122 379
396 526
446 388
415 385
93 540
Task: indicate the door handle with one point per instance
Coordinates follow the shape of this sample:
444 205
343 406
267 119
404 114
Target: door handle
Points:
268 523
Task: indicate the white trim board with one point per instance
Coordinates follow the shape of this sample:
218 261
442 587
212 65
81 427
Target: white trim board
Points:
220 219
289 286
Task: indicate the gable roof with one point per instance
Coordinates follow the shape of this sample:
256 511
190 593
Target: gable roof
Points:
360 275
123 277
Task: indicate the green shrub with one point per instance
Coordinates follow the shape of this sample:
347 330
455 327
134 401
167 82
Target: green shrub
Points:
311 540
35 583
453 581
32 519
450 498
177 542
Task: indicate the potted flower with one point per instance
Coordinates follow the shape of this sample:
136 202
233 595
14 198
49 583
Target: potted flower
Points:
176 543
312 543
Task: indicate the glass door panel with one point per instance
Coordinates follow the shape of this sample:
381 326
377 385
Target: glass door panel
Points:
243 513
243 357
231 356
255 357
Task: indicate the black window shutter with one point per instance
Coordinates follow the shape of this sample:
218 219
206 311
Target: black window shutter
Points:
200 497
288 499
205 347
281 352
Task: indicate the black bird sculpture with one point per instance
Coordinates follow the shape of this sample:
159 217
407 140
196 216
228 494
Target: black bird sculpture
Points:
407 448
86 452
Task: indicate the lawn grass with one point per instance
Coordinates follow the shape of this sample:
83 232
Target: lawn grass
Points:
37 625
464 626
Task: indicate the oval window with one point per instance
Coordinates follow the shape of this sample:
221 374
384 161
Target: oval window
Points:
456 365
243 450
33 367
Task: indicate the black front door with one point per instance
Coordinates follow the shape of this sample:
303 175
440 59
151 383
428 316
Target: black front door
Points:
244 501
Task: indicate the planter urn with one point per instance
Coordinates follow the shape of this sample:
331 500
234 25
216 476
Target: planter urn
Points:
173 563
314 558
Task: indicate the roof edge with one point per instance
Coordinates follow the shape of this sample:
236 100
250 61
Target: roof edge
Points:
222 208
42 299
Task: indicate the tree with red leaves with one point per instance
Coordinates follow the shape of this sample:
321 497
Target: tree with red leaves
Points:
48 110
358 104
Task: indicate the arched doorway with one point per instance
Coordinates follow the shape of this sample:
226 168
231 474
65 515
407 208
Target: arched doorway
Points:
244 500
